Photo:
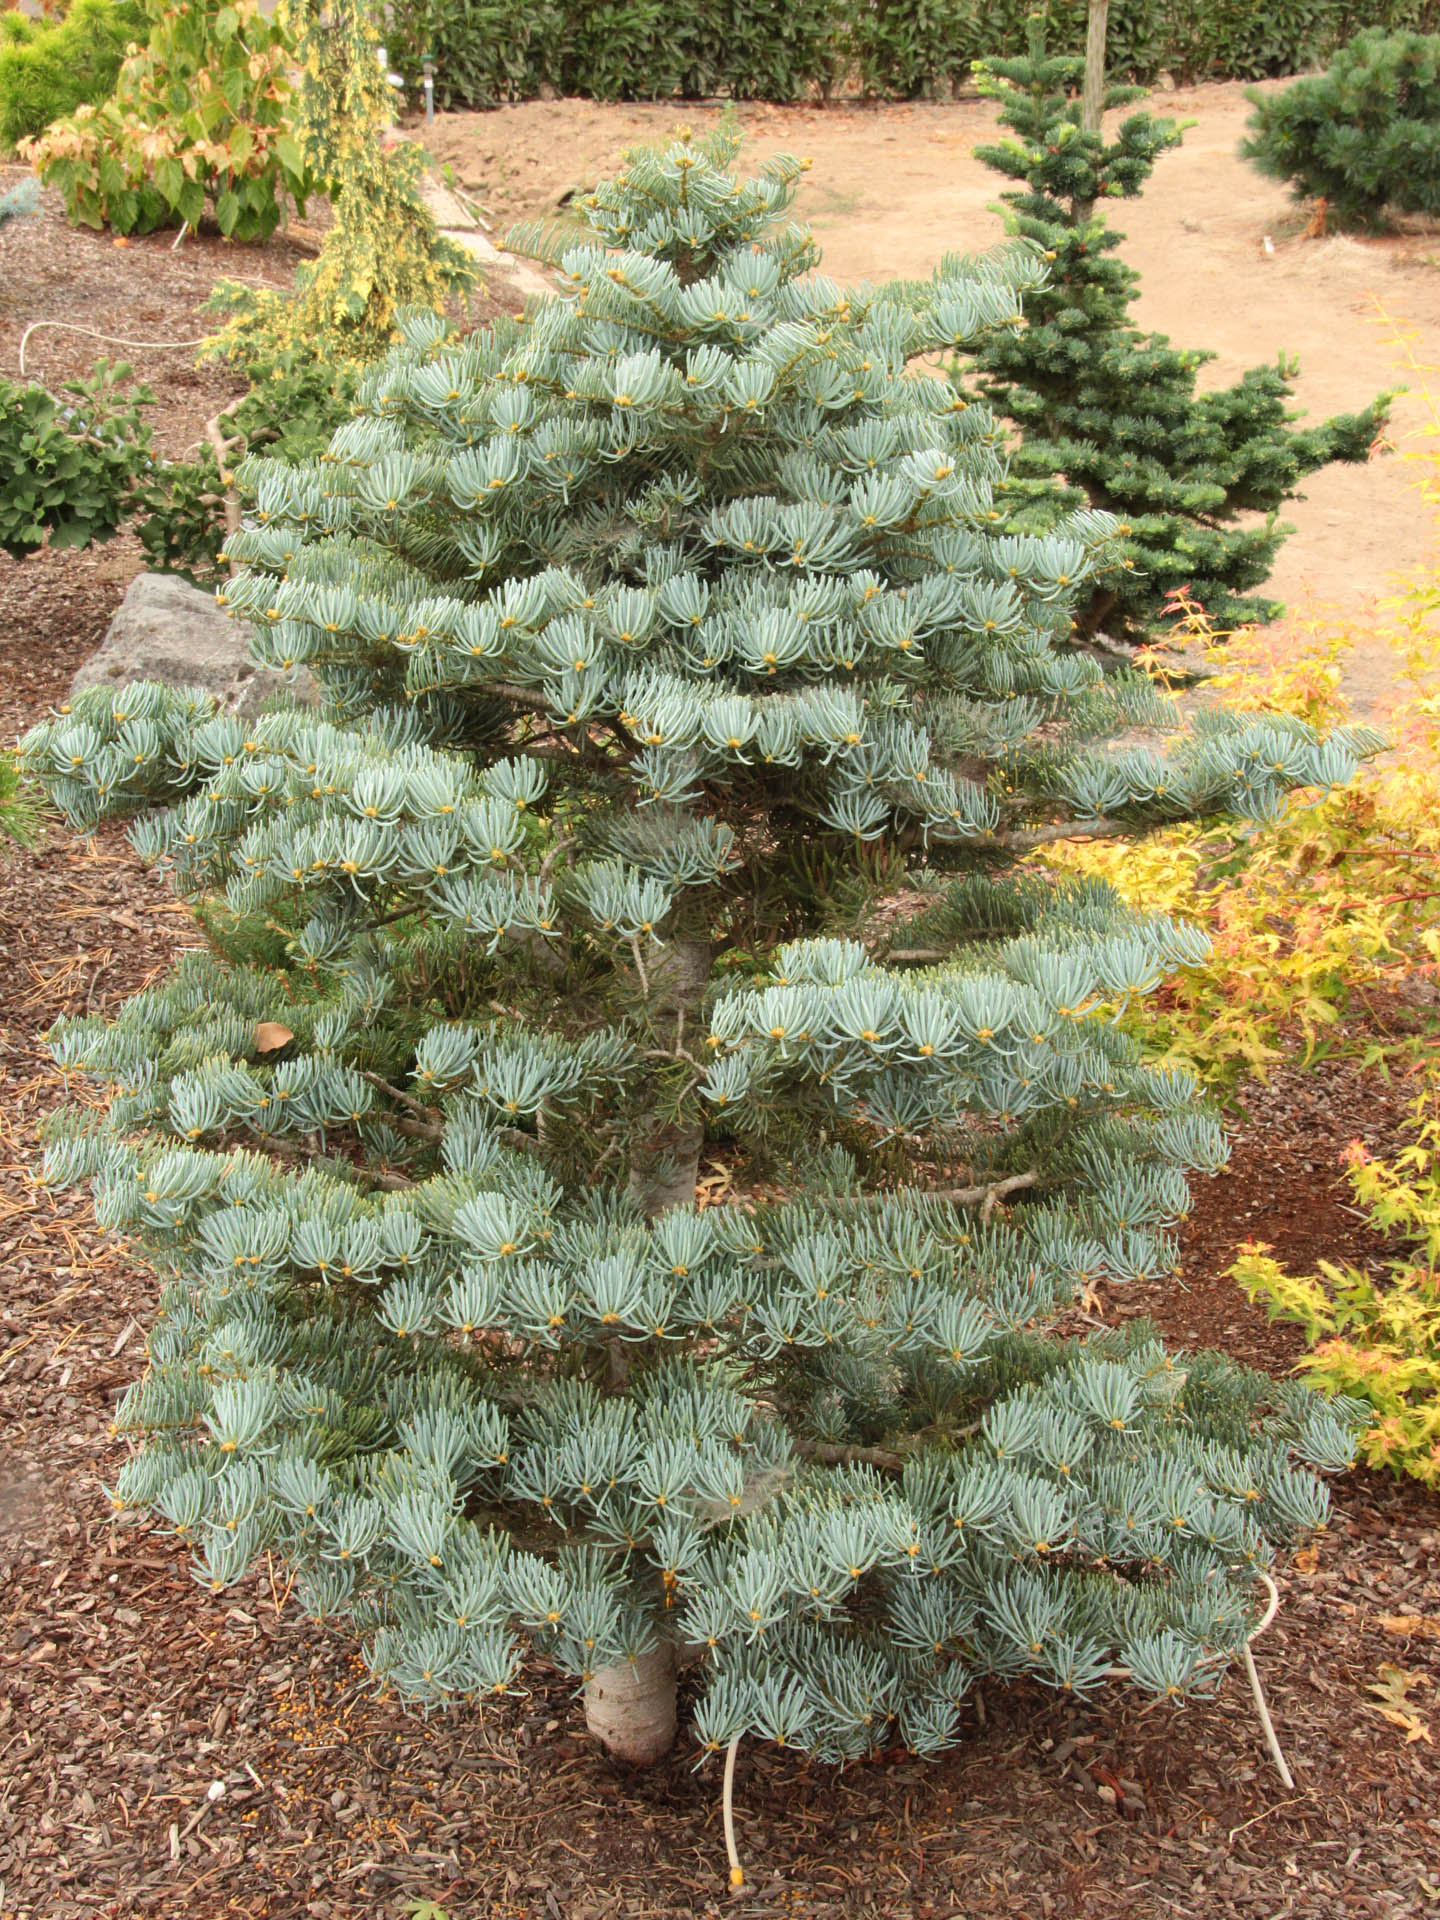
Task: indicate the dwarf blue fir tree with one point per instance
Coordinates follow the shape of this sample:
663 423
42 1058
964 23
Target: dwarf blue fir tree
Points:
662 634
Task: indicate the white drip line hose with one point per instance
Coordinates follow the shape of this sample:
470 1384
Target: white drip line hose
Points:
727 1801
110 339
1258 1691
737 1872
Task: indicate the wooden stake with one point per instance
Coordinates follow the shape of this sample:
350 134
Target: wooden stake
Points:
1093 94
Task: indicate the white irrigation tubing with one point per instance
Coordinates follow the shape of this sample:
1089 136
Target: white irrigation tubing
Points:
737 1872
110 339
1256 1689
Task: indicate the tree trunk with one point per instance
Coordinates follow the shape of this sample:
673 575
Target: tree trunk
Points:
630 1708
1092 616
665 1164
665 1159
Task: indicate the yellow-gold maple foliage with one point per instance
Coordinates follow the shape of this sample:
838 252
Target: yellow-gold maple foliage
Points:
1337 898
1307 917
1377 1340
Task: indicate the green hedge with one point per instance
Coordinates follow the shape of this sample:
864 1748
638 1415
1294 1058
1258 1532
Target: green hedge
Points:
492 50
46 71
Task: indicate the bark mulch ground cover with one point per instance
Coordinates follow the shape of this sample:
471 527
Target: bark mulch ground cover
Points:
61 288
166 1752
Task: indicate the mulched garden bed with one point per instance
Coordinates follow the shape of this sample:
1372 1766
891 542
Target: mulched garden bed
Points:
54 607
166 1752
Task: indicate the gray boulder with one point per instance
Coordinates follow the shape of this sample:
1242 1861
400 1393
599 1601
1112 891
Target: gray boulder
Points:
165 629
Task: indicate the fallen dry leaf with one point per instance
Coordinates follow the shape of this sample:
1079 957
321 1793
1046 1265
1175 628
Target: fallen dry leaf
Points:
270 1036
1418 1624
1392 1689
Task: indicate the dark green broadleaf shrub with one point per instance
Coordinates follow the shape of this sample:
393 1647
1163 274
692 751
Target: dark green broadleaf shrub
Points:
80 466
70 471
182 519
488 50
627 49
775 49
1243 40
492 50
1364 136
909 48
49 68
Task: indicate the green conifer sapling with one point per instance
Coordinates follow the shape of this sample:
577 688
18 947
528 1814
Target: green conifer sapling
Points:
1196 480
1362 137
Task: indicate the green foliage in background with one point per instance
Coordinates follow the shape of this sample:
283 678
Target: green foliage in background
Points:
48 68
1364 136
903 49
197 128
663 634
761 49
491 50
1196 479
383 250
624 49
69 468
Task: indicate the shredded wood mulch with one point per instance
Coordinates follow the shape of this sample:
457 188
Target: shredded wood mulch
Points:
164 1752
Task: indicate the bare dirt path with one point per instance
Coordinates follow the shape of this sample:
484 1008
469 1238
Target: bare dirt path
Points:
894 188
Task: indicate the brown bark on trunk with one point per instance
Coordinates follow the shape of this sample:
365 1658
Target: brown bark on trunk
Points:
1092 93
665 1159
1092 96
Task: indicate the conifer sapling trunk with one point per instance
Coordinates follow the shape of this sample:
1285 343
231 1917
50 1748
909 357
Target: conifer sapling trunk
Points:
630 1707
665 1157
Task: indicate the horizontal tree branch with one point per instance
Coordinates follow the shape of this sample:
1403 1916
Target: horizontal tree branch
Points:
431 1122
917 956
1001 1190
831 1455
1024 838
420 1107
987 1197
530 697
